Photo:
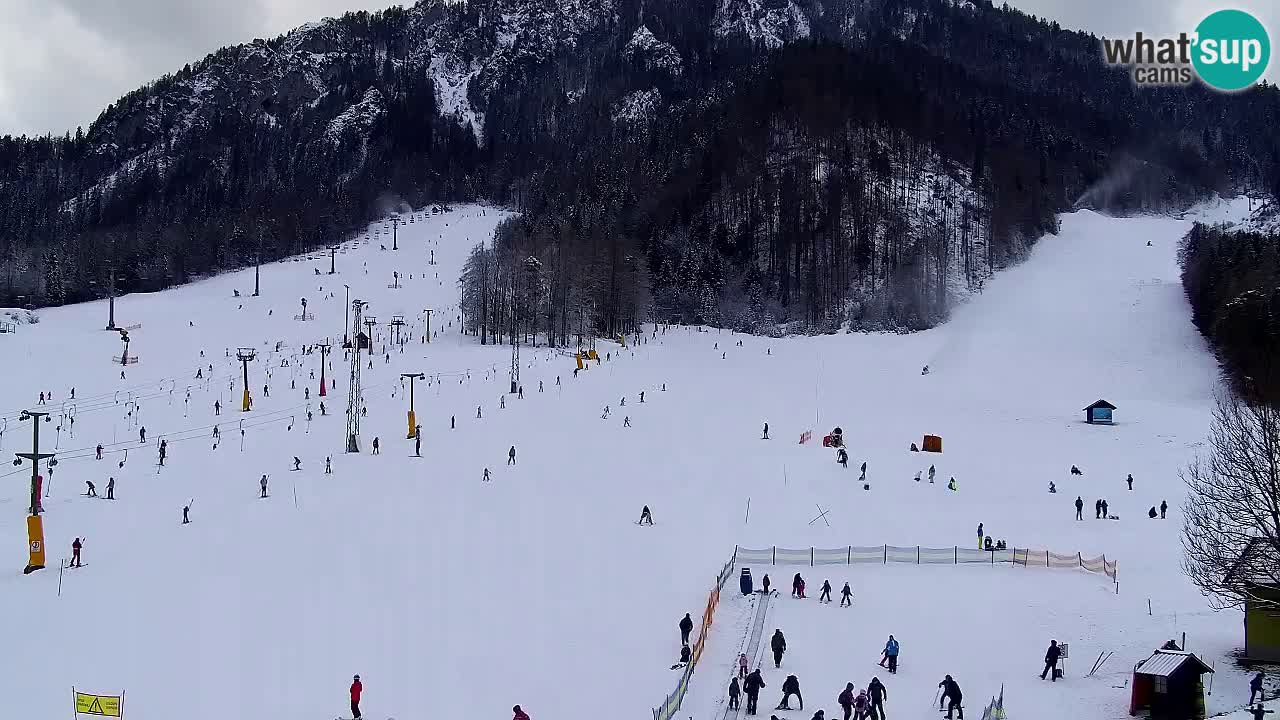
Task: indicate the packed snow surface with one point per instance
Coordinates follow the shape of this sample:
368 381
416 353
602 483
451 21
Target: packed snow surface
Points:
453 597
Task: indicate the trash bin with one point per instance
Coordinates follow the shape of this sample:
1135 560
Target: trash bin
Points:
745 581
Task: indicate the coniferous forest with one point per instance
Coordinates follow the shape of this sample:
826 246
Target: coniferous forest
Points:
835 163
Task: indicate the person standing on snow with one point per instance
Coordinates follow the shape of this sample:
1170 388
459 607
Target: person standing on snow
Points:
356 689
877 693
1255 687
1051 661
1079 508
142 434
951 693
1097 509
92 491
846 700
742 665
518 714
1164 507
263 484
111 488
825 595
511 455
1129 480
486 475
846 596
796 584
860 705
752 687
99 452
931 473
733 693
842 457
766 432
686 627
75 552
765 583
979 536
891 655
778 644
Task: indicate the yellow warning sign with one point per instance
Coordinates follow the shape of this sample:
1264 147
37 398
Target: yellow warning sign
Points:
105 705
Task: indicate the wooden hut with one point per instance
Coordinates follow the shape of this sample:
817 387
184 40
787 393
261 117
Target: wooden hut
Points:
1099 413
1168 685
1257 573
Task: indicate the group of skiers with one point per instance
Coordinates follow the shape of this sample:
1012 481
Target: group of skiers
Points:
865 704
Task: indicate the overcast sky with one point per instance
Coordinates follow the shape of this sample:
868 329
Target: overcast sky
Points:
63 61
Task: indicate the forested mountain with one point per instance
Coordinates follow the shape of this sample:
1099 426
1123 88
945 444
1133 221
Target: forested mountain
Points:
743 162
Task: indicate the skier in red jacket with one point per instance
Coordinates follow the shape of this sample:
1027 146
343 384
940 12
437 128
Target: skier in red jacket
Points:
356 688
519 714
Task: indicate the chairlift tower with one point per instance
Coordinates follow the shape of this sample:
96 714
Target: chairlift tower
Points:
324 353
246 356
111 298
413 420
370 323
397 322
395 222
353 401
333 253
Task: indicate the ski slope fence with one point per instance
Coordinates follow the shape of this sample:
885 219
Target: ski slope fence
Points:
955 555
671 704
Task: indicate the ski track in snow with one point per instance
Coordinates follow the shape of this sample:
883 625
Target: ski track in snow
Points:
457 598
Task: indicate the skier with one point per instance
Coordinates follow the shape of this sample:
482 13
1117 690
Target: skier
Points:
519 714
266 391
979 536
860 705
685 656
846 596
752 687
93 491
733 693
951 485
1051 661
796 583
75 552
417 441
356 689
626 421
778 644
511 455
328 469
375 445
917 476
323 410
742 665
502 402
263 484
623 401
877 693
478 412
1097 509
646 517
790 686
99 457
931 473
142 435
186 509
1129 480
539 386
641 394
486 476
453 422
111 488
1255 687
1079 508
1052 488
1164 506
686 627
765 583
825 595
891 655
951 693
766 431
297 464
164 448
842 457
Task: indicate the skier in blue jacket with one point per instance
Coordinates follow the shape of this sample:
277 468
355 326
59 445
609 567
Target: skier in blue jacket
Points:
890 655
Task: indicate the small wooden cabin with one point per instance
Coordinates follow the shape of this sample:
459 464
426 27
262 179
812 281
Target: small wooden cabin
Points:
1099 413
1168 686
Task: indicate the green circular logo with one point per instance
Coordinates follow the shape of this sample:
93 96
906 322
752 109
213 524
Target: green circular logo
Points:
1232 50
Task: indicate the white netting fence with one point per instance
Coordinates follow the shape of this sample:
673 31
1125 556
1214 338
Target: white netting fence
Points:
919 555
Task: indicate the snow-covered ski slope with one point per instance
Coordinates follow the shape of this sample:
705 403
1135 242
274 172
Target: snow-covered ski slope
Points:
452 597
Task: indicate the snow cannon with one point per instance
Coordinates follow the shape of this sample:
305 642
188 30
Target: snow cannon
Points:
744 582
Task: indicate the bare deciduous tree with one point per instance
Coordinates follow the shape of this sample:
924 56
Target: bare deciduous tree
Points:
1231 531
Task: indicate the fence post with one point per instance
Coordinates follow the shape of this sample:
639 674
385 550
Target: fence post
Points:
849 559
886 554
1046 558
1080 559
775 555
955 554
810 556
917 554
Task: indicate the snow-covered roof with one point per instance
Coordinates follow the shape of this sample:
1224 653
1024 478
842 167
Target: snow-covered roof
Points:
1164 663
1101 404
1257 563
